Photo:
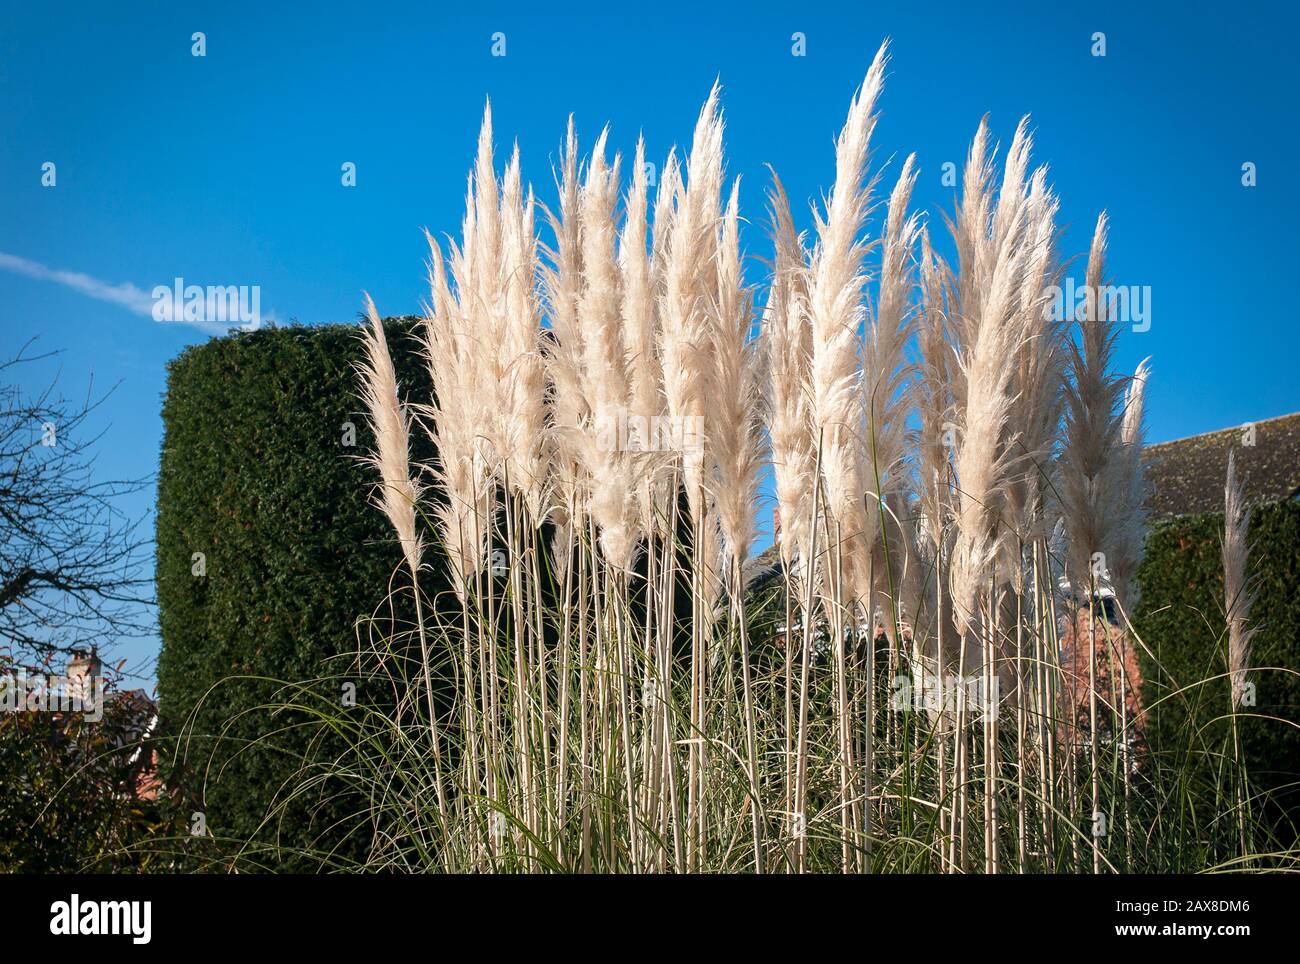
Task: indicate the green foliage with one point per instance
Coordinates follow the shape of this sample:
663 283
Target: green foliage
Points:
1181 620
255 475
66 804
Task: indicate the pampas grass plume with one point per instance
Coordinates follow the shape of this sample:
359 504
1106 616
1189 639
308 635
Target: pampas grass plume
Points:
399 492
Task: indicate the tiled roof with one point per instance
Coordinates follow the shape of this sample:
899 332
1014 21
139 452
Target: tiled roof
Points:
1186 475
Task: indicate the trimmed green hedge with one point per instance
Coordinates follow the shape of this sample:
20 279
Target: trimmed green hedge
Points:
255 475
1181 619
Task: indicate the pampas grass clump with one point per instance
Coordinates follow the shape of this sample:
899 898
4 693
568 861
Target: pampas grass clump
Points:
953 467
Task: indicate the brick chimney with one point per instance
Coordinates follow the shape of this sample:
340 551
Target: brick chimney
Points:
83 669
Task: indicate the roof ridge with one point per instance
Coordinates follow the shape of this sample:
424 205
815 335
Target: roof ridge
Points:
1220 431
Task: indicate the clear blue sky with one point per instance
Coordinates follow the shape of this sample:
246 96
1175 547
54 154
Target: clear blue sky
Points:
226 169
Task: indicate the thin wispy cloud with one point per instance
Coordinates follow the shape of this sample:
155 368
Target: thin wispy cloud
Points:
124 294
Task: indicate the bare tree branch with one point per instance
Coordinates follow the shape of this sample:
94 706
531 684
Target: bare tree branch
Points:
72 571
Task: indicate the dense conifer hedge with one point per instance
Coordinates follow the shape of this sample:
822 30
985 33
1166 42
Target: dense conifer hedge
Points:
1181 619
268 551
